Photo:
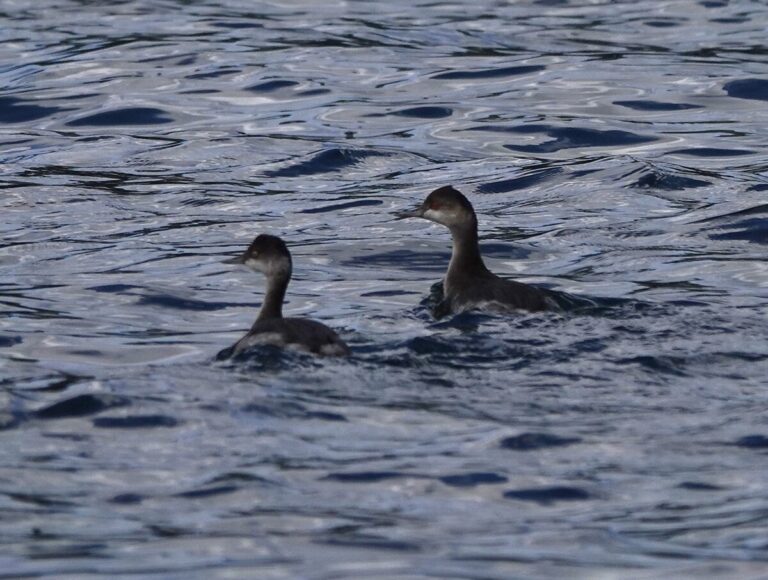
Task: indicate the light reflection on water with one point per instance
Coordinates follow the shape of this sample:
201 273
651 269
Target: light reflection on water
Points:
612 150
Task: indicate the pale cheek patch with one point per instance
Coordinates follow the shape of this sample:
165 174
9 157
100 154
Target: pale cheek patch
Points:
254 264
435 215
441 216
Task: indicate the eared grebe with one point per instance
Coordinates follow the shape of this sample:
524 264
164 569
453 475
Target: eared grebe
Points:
270 256
468 284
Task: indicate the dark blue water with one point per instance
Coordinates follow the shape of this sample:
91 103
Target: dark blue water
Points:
614 150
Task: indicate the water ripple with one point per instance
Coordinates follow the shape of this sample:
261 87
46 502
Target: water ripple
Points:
613 158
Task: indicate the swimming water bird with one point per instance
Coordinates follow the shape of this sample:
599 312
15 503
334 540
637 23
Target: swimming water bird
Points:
270 256
468 283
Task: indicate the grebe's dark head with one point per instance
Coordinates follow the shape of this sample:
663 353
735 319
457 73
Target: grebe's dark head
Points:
446 206
266 254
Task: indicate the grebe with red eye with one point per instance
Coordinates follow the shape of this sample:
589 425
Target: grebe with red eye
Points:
468 283
270 256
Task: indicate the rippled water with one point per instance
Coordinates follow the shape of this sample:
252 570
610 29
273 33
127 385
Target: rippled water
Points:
613 149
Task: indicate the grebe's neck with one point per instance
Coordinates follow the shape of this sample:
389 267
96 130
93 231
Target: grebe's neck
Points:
272 307
465 257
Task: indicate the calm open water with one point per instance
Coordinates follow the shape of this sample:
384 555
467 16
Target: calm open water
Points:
613 149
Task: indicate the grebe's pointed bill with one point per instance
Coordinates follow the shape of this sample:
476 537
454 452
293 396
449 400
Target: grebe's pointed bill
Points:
415 212
236 260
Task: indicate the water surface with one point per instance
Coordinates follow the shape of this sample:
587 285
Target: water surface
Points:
613 150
